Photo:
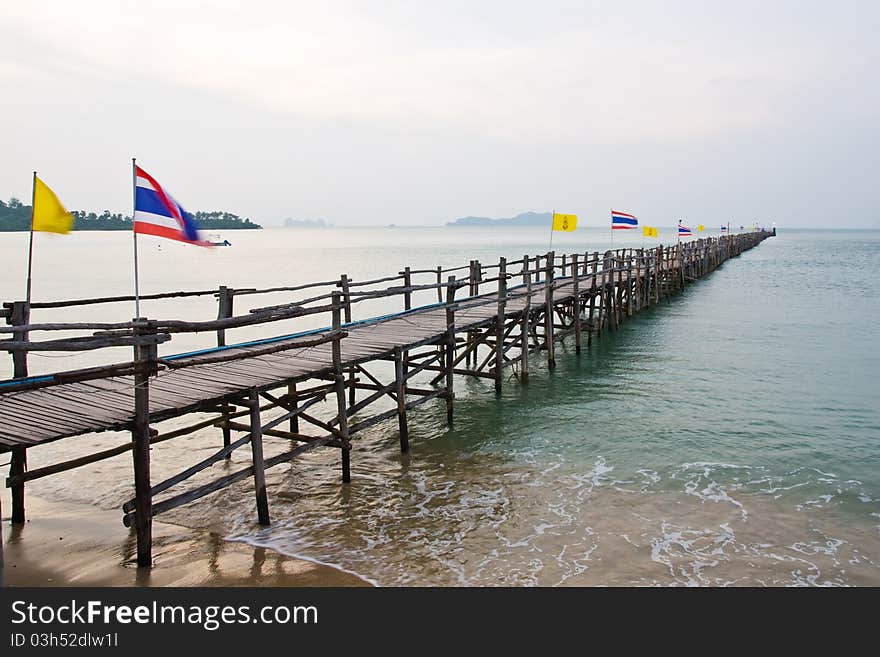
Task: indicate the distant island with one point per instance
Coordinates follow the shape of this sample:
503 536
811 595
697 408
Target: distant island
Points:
306 223
522 219
16 216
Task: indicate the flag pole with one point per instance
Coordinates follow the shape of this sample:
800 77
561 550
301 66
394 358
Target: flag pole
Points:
552 219
612 229
137 296
31 241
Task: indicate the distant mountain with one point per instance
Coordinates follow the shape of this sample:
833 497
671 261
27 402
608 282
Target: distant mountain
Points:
306 223
522 219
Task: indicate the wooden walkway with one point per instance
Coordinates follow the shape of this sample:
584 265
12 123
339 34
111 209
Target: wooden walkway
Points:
31 417
478 334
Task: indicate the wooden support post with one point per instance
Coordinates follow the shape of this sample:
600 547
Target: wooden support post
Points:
499 323
644 271
407 283
525 329
145 357
472 279
450 348
400 382
592 297
224 310
604 319
548 311
473 289
613 305
564 256
339 384
576 308
478 278
346 301
20 315
294 402
639 287
225 296
603 282
439 283
658 274
655 275
18 466
681 266
668 273
259 464
629 282
662 288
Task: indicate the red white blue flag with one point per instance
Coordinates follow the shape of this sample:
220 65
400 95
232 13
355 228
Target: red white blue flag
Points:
683 231
623 221
157 213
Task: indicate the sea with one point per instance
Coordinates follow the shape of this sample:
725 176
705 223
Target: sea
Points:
728 437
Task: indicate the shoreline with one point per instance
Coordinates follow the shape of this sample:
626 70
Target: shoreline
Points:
71 544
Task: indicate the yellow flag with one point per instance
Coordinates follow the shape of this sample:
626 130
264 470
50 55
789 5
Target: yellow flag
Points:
654 232
49 215
701 228
566 222
646 231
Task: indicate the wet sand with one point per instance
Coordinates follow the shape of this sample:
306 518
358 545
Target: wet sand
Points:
67 544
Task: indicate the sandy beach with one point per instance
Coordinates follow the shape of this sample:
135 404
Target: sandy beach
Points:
66 544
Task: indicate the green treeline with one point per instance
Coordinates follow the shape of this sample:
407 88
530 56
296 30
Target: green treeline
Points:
220 219
15 216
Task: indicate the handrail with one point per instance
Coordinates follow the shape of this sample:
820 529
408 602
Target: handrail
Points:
575 267
174 326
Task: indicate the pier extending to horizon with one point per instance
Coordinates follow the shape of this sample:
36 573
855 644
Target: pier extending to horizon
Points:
487 319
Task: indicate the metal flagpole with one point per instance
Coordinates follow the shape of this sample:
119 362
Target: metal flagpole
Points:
137 297
612 229
552 219
31 242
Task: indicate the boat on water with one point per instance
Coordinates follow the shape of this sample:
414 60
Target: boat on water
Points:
216 240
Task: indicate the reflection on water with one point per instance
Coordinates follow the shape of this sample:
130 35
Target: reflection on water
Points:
727 438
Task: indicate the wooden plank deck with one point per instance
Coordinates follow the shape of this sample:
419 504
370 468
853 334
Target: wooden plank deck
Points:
32 417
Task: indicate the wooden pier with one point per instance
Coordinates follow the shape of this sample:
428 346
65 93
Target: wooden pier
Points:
487 319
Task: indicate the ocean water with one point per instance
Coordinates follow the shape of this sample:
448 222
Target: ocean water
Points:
730 437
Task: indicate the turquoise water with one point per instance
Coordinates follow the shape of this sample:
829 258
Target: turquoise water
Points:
729 437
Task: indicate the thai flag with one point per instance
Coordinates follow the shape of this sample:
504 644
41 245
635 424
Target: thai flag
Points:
157 213
683 231
724 229
623 221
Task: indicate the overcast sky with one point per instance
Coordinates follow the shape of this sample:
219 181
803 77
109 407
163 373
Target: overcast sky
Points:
421 112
